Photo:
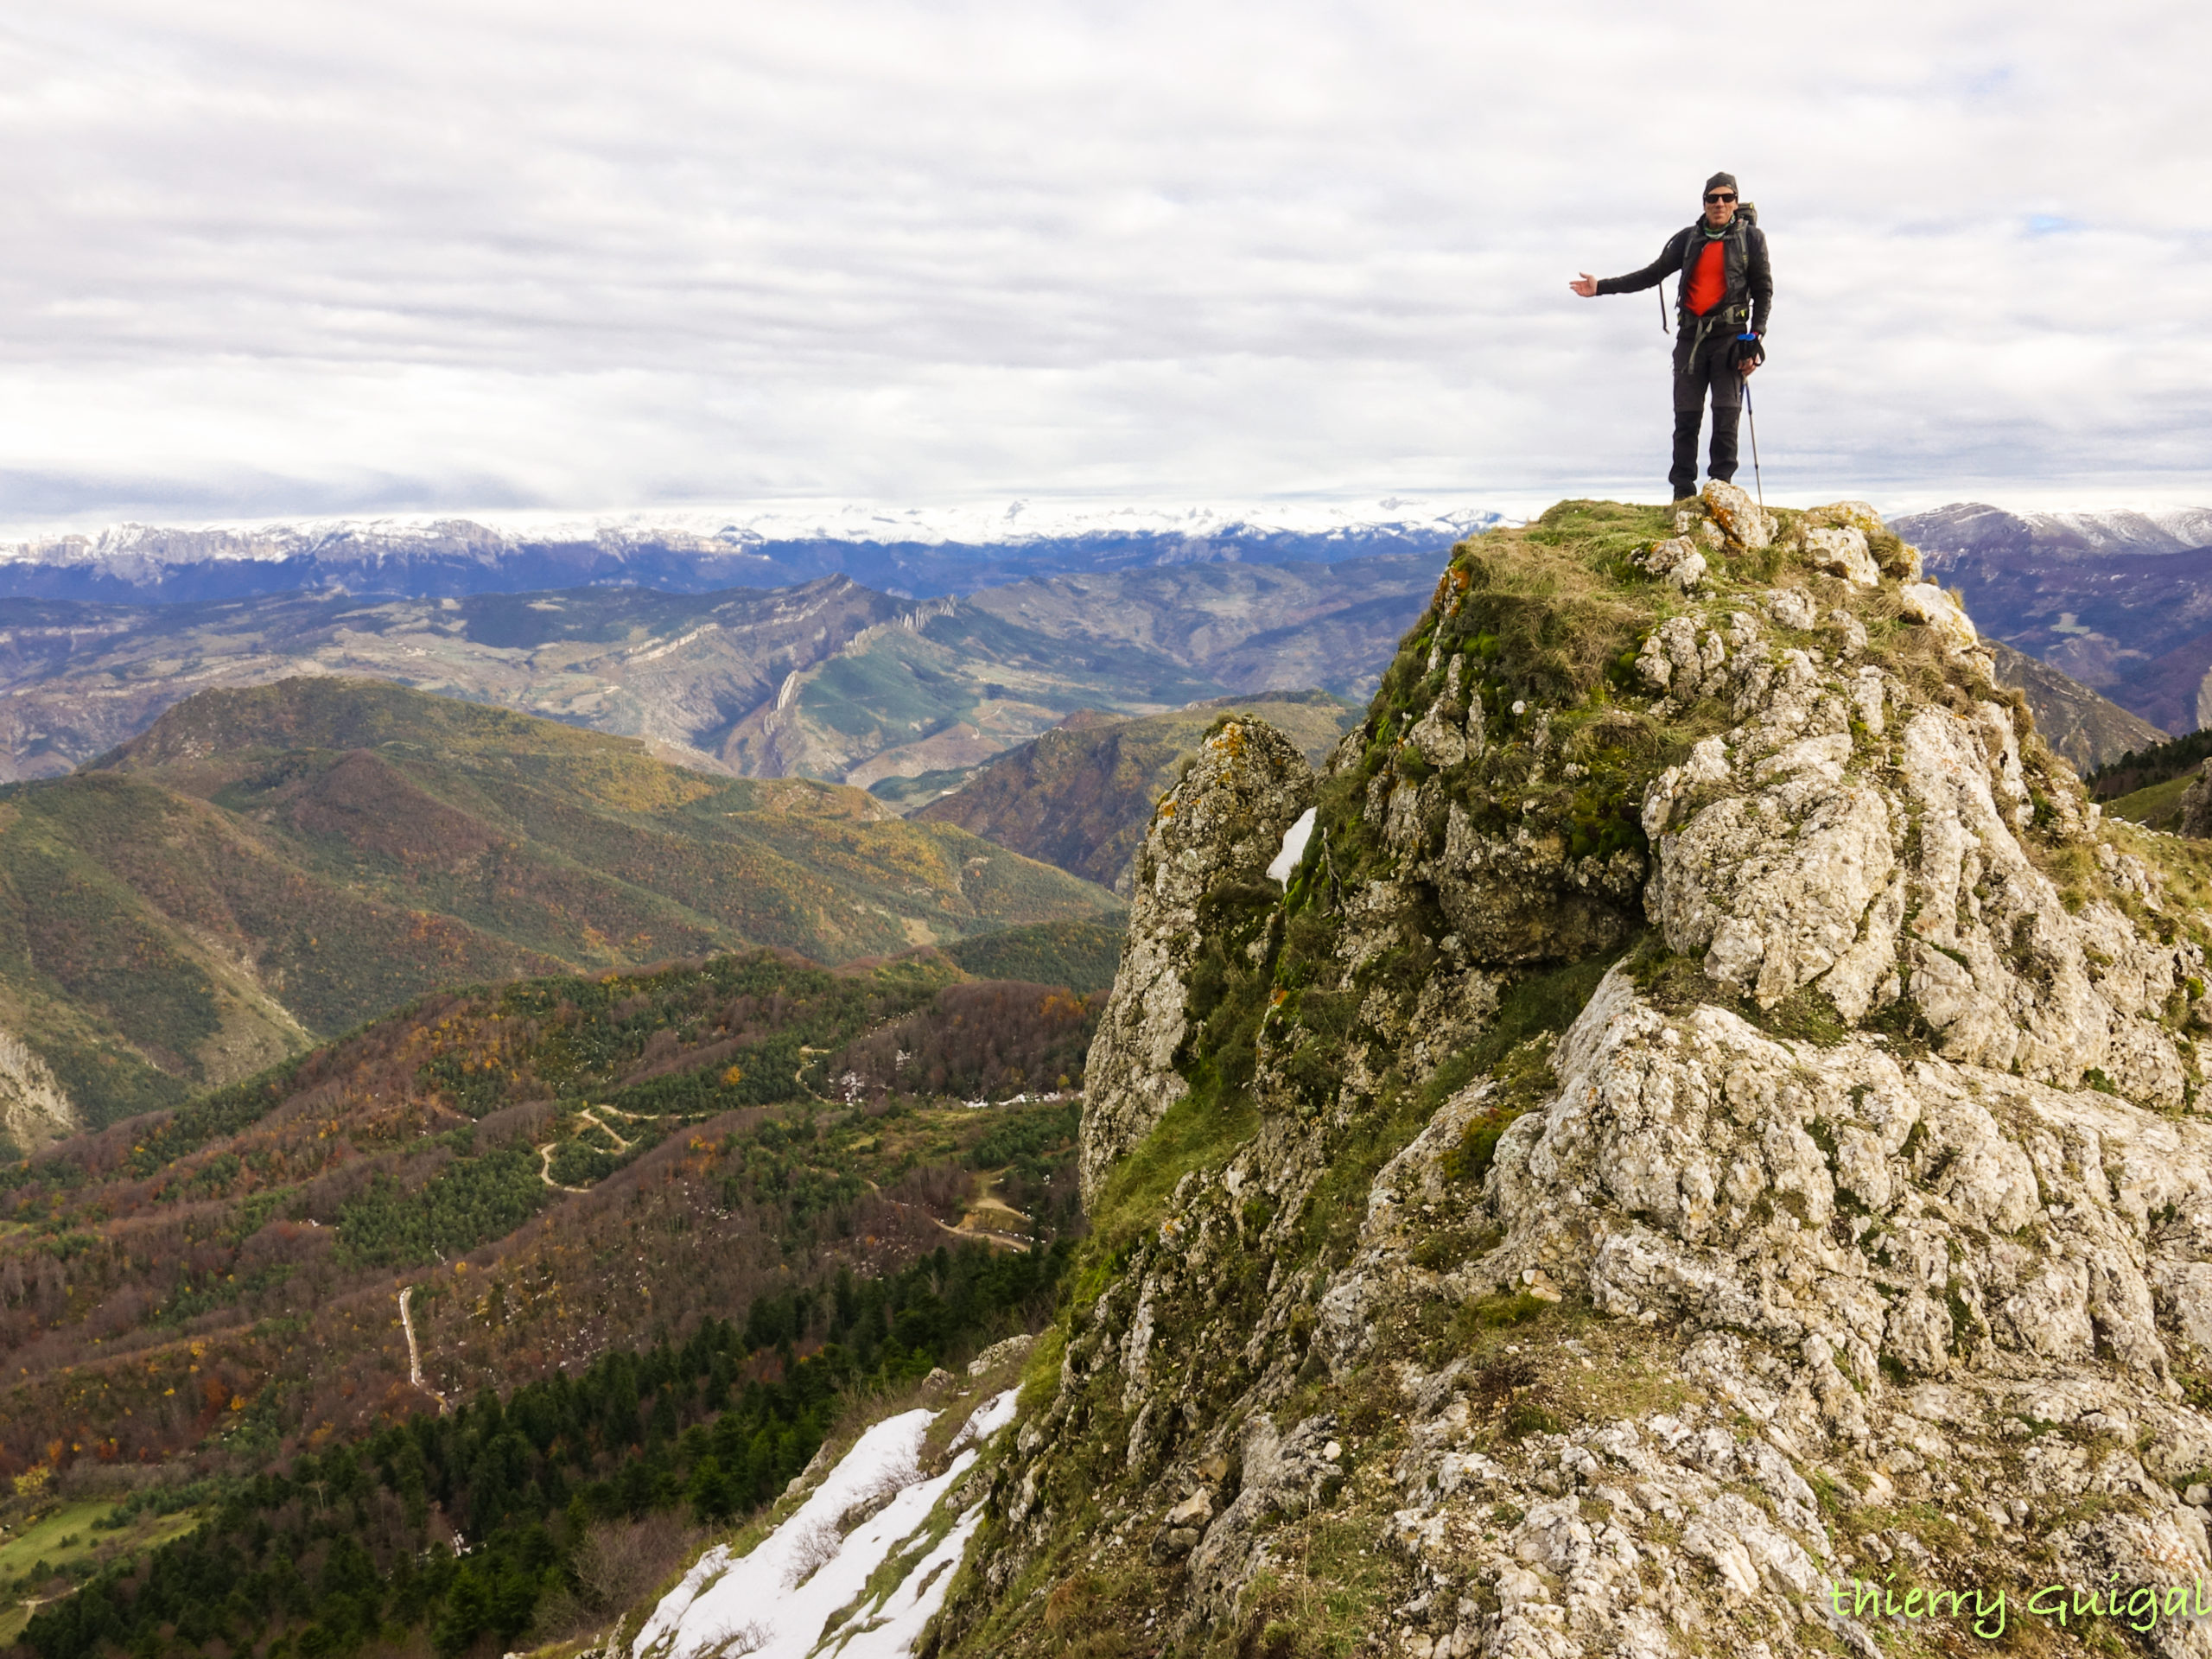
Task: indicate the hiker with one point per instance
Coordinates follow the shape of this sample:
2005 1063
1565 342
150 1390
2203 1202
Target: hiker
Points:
1720 306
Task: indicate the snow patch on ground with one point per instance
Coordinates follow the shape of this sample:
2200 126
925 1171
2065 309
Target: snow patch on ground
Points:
1294 848
793 1595
991 1417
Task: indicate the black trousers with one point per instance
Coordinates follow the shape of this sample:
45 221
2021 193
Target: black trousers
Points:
1701 366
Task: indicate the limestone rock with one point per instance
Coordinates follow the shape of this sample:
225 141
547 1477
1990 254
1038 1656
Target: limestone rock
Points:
1924 602
1892 557
1675 562
1001 1353
1523 897
1791 851
1792 608
1842 553
1450 730
1746 524
1901 560
1223 824
34 1109
1845 515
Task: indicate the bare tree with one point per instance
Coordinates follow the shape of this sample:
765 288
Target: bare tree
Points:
877 1492
740 1640
619 1561
812 1550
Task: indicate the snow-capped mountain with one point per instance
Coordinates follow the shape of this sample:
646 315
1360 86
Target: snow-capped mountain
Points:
2117 600
912 552
1975 528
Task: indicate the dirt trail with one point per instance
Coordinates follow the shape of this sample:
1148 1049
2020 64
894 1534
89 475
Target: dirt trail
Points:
415 1354
545 1169
1004 1240
585 1112
989 1200
591 1115
799 1076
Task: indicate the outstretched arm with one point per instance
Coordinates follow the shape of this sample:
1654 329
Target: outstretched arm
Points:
1668 262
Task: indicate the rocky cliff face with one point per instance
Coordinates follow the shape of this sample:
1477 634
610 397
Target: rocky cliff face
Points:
1710 1121
1206 854
34 1109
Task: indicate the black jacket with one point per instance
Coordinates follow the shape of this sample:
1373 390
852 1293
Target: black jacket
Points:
1751 277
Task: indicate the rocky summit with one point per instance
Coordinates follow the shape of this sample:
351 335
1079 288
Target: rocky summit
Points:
1699 1154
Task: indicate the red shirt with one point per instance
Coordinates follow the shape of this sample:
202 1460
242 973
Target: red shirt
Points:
1708 279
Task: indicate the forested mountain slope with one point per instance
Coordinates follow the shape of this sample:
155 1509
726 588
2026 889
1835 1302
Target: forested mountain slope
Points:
674 1220
2089 729
266 866
738 1122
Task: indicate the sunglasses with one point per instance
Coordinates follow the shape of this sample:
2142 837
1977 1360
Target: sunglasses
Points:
1719 195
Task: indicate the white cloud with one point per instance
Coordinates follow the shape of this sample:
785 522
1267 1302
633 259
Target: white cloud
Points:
397 256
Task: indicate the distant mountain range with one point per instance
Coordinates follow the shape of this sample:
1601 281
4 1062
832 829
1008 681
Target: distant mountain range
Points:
909 555
964 680
1978 528
861 644
265 866
2119 601
827 679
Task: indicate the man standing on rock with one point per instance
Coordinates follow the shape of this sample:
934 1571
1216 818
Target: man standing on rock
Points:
1721 304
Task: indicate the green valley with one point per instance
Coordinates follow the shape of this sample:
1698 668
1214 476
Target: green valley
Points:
266 866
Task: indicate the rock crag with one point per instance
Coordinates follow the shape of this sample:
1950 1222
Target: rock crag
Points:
1213 834
1709 1126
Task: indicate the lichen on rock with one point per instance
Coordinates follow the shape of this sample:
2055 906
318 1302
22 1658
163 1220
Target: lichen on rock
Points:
1712 1117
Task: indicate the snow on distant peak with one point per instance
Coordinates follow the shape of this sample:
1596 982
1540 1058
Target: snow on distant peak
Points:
781 1600
2169 531
1009 523
1977 527
1012 523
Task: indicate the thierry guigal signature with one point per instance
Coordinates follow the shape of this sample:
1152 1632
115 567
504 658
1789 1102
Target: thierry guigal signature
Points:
2140 1607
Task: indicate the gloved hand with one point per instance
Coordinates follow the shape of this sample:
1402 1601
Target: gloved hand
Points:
1746 353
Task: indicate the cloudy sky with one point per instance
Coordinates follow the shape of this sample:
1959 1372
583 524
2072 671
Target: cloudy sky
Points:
282 258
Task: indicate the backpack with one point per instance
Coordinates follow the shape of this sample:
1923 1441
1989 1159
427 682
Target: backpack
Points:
1747 214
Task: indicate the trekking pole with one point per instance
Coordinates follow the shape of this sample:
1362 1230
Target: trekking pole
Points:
1753 421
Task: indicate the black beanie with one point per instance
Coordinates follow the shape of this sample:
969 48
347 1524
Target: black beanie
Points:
1719 178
